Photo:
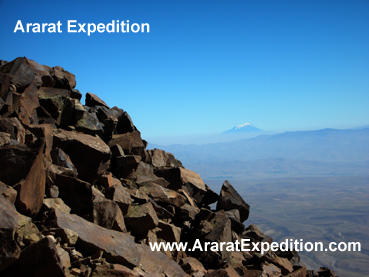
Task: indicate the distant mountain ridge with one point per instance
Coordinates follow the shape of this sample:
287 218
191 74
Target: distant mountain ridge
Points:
325 152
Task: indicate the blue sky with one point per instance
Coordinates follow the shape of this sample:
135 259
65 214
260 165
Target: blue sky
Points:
207 66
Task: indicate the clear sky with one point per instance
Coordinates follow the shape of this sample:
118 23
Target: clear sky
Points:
206 66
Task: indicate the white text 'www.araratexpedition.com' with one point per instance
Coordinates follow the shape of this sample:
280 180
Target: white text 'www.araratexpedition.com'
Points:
262 247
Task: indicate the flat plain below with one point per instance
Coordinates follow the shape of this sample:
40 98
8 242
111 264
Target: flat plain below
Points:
315 209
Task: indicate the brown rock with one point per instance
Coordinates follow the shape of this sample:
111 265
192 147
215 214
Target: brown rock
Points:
55 203
93 100
234 259
131 143
57 103
230 199
145 174
301 272
119 195
90 155
191 265
253 232
125 166
221 231
18 73
89 123
14 128
125 124
160 158
163 195
32 189
326 272
107 214
44 72
234 216
108 180
39 259
141 218
188 212
223 272
168 232
155 262
5 139
76 194
60 158
8 193
63 79
271 270
14 230
117 246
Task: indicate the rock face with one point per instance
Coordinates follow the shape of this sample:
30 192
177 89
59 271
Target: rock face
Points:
81 196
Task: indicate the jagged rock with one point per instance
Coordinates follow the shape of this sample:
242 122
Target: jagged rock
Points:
163 195
221 231
141 218
210 259
326 272
31 190
75 94
223 272
60 158
44 72
301 272
8 193
90 155
39 259
57 103
93 100
15 229
125 124
117 151
161 212
188 212
292 256
119 195
55 203
18 73
282 263
63 79
89 123
125 166
253 232
230 199
234 259
109 118
234 216
76 194
14 128
118 247
131 143
168 232
43 132
154 262
192 265
145 174
78 110
270 270
108 180
5 139
106 213
191 181
160 158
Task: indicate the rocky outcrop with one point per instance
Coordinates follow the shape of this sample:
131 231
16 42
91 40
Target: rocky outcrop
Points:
81 196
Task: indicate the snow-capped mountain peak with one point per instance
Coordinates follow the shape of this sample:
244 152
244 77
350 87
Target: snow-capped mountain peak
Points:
245 127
